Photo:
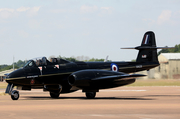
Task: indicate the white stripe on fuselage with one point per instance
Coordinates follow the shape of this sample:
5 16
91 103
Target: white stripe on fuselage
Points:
146 39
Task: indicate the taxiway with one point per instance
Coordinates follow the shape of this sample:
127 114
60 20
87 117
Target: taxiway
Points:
121 103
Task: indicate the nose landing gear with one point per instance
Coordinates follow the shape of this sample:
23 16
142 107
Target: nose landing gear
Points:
14 93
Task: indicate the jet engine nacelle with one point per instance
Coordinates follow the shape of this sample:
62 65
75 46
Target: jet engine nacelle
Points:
85 78
81 78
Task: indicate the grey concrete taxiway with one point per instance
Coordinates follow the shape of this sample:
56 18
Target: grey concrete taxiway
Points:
120 103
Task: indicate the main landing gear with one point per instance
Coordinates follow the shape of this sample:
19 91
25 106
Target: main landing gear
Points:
14 93
90 95
54 94
54 90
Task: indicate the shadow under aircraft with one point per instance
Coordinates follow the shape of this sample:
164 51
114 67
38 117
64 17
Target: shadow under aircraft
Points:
60 76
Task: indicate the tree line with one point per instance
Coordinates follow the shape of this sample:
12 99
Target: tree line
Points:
174 50
21 63
17 65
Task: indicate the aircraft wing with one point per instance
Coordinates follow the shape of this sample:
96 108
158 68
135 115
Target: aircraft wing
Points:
118 77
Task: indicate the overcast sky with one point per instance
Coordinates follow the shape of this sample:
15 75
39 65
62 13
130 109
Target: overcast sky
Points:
93 28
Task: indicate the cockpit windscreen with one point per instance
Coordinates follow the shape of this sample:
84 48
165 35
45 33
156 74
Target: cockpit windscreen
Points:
42 61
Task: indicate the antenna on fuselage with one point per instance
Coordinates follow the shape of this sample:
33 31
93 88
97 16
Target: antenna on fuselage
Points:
13 63
106 59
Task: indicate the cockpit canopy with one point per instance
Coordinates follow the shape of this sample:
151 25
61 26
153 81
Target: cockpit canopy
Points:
42 61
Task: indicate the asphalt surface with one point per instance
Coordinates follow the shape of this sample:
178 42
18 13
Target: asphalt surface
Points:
120 103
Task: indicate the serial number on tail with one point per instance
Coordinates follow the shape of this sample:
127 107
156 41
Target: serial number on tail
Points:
138 66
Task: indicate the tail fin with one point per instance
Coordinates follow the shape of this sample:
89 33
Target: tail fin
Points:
145 54
148 49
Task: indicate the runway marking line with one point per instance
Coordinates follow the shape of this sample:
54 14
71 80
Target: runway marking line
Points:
122 90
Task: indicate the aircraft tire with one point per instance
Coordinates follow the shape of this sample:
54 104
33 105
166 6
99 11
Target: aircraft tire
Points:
90 95
15 95
54 94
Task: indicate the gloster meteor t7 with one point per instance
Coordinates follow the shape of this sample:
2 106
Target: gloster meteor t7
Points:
60 76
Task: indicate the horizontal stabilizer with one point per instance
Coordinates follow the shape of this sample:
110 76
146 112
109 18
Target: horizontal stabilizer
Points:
148 48
165 47
129 48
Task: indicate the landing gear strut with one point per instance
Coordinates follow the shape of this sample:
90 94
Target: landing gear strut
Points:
90 95
14 93
54 90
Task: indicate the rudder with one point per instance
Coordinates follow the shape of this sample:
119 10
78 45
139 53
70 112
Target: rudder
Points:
146 54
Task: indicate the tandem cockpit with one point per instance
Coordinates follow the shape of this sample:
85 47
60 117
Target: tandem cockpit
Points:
27 77
43 61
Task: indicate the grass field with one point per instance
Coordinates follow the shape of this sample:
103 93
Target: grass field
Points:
3 85
139 82
156 82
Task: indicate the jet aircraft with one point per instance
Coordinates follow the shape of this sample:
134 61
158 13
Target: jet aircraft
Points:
60 76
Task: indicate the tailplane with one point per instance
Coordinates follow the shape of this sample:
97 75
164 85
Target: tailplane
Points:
148 49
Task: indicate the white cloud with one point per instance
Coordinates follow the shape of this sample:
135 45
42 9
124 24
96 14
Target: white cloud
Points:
88 9
149 21
22 9
85 33
49 35
33 11
106 10
86 19
164 17
34 24
7 9
58 10
6 13
23 34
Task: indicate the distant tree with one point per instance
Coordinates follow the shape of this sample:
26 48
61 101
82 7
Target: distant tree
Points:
17 65
71 59
93 60
20 63
8 67
175 50
133 60
2 66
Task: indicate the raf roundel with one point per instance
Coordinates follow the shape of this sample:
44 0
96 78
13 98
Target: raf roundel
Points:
114 67
32 81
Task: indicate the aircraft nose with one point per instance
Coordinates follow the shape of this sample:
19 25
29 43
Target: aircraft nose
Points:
16 74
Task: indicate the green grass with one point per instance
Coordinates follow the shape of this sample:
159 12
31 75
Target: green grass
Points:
155 82
3 94
3 85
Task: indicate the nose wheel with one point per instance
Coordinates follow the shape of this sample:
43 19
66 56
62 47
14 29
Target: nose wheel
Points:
15 95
